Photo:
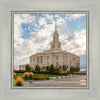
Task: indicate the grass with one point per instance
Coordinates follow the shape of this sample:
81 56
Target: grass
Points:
46 75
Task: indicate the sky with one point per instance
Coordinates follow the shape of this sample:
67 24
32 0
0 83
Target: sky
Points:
34 32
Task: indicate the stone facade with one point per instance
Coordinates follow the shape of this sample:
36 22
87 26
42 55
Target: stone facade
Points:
55 55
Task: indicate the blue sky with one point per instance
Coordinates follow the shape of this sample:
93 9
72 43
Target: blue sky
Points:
33 33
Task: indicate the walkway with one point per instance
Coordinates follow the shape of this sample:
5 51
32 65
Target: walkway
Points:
69 81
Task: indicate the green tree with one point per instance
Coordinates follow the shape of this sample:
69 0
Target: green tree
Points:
37 68
52 68
27 67
77 69
74 69
47 69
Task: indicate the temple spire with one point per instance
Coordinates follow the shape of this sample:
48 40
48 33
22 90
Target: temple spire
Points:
55 25
55 44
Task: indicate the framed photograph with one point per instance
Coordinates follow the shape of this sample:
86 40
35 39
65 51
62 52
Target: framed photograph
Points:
49 50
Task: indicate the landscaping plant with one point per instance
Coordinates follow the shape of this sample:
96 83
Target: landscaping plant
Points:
19 81
38 77
15 76
30 75
26 75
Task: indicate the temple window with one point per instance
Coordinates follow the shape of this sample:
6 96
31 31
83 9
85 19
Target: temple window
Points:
37 60
41 59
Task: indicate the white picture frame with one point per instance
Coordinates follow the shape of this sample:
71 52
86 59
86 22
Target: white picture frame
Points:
6 90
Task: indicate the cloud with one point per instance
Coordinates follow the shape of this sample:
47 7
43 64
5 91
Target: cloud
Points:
42 21
75 16
75 43
60 20
21 46
41 36
49 17
71 17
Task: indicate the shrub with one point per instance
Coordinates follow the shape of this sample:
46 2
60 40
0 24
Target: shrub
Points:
82 73
30 75
79 73
19 81
63 73
35 77
75 73
39 77
26 75
56 72
15 76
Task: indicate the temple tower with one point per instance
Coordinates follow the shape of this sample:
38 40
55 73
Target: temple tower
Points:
55 44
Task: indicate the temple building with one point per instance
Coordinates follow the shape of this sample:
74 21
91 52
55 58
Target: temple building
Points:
55 55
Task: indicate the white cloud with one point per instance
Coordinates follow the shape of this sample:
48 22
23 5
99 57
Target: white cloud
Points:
42 21
18 20
23 18
21 46
71 17
75 16
60 20
49 17
43 36
75 43
40 39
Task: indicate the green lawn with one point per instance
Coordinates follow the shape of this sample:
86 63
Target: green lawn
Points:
46 75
